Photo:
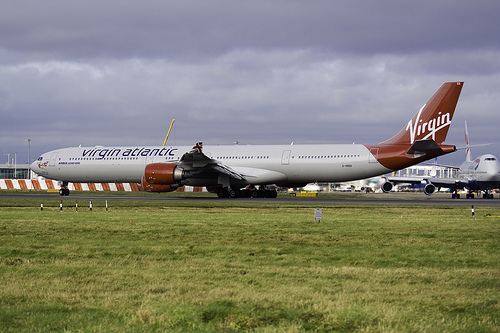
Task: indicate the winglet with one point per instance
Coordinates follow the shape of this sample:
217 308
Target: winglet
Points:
197 148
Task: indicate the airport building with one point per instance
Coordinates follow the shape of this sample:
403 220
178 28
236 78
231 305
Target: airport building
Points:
428 170
15 171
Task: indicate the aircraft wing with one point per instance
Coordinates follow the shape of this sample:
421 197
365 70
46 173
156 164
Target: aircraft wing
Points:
407 180
452 183
196 162
224 169
454 167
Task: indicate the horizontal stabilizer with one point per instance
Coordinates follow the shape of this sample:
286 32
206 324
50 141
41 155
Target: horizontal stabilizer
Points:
474 146
422 147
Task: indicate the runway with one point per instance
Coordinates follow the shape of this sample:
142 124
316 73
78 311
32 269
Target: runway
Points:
409 199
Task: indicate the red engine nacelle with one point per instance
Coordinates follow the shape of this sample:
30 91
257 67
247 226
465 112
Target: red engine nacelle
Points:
163 173
161 177
145 186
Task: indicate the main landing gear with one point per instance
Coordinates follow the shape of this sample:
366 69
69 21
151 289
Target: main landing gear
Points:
64 190
455 195
247 193
487 195
470 194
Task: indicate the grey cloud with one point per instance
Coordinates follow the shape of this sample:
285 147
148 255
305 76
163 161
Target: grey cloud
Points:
117 72
177 29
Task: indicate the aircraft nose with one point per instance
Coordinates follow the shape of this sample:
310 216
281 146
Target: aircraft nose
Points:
35 166
494 174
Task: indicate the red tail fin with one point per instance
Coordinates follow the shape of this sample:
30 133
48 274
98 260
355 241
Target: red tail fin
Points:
433 120
421 139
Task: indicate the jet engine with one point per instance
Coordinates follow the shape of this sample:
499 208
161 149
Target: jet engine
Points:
387 187
429 189
162 177
145 186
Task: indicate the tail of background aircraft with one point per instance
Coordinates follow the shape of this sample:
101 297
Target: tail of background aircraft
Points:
468 154
421 139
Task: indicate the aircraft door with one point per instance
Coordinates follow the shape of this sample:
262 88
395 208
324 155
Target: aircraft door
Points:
52 160
285 157
373 155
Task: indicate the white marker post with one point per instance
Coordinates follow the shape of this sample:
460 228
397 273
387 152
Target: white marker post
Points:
90 205
60 206
472 210
318 214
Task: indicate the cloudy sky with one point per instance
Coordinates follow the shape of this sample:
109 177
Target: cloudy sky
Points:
257 72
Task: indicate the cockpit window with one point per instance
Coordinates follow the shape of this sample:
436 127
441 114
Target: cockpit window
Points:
490 159
40 158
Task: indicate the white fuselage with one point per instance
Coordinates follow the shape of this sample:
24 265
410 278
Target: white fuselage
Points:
482 173
162 169
264 164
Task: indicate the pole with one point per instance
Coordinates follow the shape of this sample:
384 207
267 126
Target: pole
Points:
29 160
168 133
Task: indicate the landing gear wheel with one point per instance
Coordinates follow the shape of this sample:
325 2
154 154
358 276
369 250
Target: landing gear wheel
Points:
64 192
256 194
222 193
245 193
270 194
233 193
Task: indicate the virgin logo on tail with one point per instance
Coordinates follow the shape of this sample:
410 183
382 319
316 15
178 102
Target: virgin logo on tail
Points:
429 128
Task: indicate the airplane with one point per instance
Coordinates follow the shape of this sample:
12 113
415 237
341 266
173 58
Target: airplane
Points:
480 174
251 170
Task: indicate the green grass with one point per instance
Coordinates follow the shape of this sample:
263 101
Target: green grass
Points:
227 266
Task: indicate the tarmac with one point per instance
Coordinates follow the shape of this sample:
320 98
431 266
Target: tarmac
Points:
408 199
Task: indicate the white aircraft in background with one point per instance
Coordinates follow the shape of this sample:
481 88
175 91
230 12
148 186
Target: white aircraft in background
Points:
232 171
480 174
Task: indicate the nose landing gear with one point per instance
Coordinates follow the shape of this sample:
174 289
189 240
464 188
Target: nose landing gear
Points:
64 190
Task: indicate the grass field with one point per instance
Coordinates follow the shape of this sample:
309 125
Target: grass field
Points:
147 266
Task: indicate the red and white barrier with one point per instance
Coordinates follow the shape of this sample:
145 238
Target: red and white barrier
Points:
47 184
